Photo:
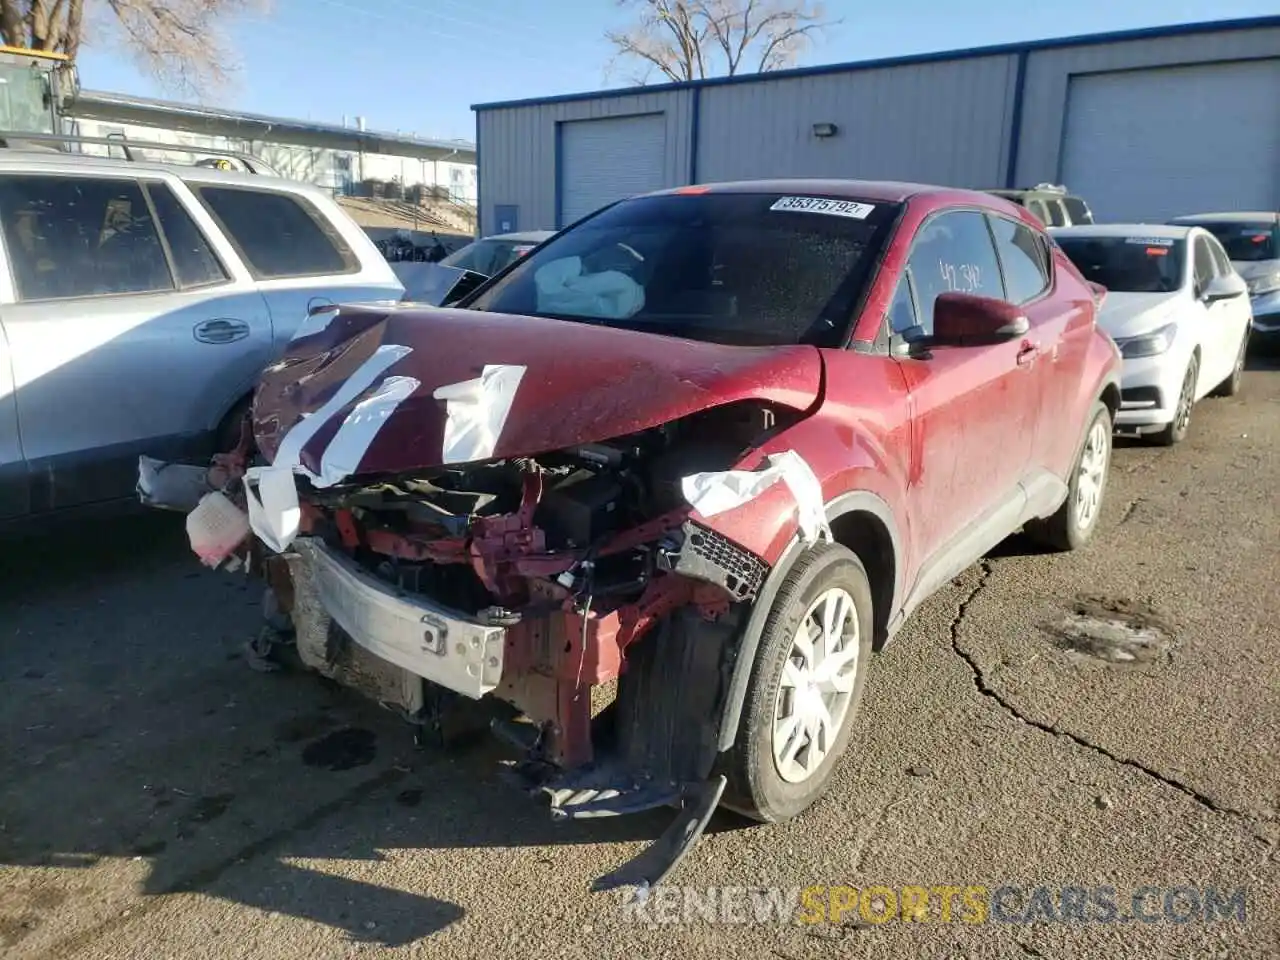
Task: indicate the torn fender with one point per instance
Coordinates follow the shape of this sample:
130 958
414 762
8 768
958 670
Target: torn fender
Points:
580 383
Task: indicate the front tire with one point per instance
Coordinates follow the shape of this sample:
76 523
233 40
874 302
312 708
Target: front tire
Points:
1176 430
807 680
1231 386
1073 524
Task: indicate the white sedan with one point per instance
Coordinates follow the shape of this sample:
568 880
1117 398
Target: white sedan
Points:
1178 311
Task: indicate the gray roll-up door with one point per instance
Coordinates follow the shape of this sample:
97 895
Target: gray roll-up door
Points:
605 160
1154 144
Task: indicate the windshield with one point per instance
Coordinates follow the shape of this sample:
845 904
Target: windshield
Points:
487 256
735 268
1246 241
1128 264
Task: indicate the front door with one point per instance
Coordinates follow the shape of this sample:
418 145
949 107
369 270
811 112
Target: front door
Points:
1227 319
127 333
974 409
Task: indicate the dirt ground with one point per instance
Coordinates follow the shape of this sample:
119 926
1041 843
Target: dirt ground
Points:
1110 718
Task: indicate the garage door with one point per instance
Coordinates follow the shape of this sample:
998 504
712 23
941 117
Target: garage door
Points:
1153 144
606 160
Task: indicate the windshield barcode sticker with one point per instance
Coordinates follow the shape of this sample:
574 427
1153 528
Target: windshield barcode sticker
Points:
1151 241
832 208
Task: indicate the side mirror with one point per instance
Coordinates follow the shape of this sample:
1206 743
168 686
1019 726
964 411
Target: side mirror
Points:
963 320
1226 287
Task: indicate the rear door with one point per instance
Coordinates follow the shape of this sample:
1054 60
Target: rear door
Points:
127 332
974 409
302 252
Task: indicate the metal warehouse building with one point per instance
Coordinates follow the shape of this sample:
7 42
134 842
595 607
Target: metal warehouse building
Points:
1143 124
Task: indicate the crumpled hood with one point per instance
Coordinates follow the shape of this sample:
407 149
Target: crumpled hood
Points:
1125 315
376 372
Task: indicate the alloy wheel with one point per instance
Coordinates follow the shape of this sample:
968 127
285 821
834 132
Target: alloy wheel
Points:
1182 418
816 686
1092 474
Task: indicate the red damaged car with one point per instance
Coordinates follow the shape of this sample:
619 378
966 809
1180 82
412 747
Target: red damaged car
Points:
714 444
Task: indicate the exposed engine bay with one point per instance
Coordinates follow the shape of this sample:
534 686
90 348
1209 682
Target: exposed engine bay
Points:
546 569
573 555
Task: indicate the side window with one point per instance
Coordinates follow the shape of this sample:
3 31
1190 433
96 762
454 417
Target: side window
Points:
953 252
1078 210
194 261
902 309
278 234
1024 257
1204 267
1057 214
1037 207
80 237
1220 260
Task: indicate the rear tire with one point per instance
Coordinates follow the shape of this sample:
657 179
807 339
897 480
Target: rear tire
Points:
1176 430
798 714
1073 524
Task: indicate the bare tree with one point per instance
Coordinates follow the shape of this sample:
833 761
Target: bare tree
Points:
694 39
181 43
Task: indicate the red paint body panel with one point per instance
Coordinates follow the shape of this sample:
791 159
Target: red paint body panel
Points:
859 439
583 383
940 439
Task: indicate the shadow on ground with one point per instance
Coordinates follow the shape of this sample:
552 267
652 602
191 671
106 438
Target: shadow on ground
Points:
135 730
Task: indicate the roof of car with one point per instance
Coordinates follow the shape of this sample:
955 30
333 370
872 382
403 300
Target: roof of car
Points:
886 191
55 161
1157 231
1233 217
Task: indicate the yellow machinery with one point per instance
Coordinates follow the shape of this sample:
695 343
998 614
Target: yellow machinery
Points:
35 85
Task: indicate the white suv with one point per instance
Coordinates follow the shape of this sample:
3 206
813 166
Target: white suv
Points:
138 304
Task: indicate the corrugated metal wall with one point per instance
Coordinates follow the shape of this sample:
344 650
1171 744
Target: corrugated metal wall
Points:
937 121
517 150
944 122
1049 73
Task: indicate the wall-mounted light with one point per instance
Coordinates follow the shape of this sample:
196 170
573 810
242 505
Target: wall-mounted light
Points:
825 129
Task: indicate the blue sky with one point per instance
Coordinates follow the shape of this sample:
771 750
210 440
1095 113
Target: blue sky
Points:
418 65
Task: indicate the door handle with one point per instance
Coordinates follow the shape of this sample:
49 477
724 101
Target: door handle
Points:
1027 352
221 331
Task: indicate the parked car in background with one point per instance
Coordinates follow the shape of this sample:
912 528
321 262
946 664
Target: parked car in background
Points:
139 302
715 444
1252 241
1177 309
489 255
1052 205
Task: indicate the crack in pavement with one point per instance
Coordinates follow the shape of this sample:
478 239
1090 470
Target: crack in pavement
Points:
983 687
1131 506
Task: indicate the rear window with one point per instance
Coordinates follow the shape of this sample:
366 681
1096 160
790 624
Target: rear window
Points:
278 234
1078 210
723 267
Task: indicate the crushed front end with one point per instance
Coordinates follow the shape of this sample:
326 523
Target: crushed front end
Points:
575 594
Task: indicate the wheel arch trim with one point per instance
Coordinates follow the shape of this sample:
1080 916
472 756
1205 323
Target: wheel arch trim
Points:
857 501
